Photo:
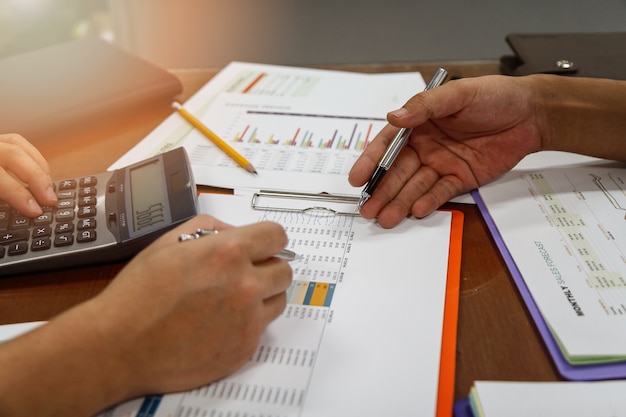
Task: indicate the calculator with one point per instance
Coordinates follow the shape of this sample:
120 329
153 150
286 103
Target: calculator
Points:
100 218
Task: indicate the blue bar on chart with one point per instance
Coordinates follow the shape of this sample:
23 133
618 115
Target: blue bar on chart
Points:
311 293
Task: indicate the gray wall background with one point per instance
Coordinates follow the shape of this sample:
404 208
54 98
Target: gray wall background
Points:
210 33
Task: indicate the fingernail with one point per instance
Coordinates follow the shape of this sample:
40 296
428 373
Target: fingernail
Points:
33 206
401 112
51 194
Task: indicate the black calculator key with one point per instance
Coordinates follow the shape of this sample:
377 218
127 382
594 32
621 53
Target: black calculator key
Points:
86 211
86 236
87 191
88 223
88 181
19 222
67 185
43 219
18 248
41 243
65 203
2 252
14 236
66 194
63 227
41 231
4 219
64 239
64 215
87 200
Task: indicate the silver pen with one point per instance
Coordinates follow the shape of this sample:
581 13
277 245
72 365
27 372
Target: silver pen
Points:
285 254
395 146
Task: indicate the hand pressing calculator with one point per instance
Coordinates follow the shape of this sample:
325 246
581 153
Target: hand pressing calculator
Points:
101 217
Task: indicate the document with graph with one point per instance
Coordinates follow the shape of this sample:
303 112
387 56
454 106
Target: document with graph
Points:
362 331
302 129
565 230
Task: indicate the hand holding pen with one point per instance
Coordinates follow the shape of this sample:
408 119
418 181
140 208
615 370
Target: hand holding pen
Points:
395 146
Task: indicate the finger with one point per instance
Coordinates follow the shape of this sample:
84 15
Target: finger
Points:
365 165
441 192
261 240
274 306
416 187
17 196
19 162
443 101
405 166
29 148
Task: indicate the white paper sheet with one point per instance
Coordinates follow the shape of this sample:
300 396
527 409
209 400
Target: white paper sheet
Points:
571 399
565 228
366 341
301 128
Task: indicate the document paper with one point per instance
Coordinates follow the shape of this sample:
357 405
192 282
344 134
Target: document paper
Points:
302 129
361 334
571 399
566 231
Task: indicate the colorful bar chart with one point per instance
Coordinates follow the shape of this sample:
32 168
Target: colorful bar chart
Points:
311 293
307 131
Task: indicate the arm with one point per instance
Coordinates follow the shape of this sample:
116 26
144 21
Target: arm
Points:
469 132
179 315
582 115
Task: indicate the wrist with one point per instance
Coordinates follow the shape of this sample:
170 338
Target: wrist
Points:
574 113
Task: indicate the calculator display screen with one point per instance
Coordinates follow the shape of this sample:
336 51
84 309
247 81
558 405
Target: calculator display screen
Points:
148 199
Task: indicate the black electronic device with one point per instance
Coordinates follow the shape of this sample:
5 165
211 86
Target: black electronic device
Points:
101 217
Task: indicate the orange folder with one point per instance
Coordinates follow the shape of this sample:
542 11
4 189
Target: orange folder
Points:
445 392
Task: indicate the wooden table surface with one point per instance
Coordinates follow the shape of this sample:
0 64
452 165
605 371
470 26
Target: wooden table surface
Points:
496 337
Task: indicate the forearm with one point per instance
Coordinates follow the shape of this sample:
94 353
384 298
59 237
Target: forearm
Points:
581 115
62 368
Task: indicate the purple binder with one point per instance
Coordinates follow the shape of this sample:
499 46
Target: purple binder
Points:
615 370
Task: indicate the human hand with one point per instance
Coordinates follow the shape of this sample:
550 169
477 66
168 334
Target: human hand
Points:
22 165
183 314
465 133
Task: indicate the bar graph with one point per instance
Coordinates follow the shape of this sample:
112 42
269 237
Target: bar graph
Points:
319 294
304 130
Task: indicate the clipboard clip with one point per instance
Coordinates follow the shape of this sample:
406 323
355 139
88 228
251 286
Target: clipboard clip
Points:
306 203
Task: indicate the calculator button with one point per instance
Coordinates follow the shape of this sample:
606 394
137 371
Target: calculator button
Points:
2 252
64 215
66 194
4 219
87 200
43 219
19 222
14 235
64 239
63 227
41 243
87 181
86 211
87 191
89 223
66 203
41 231
67 185
86 236
18 248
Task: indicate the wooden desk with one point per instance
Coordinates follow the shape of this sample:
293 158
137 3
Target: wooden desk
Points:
496 337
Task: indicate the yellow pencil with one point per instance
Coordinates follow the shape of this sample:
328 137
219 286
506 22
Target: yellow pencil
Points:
228 150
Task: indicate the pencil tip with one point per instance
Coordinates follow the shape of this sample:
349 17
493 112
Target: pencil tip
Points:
250 168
